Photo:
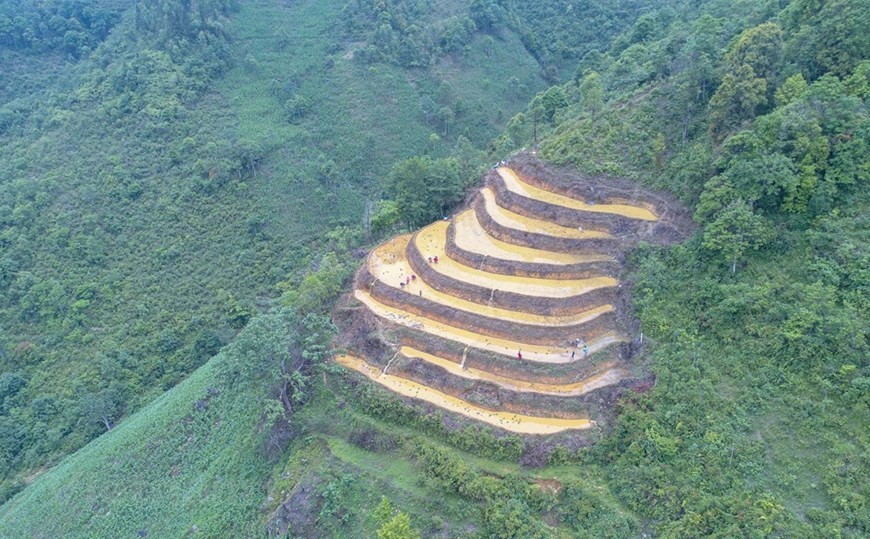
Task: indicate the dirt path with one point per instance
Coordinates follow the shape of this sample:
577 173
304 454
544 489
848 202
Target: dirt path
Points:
531 352
518 423
521 188
610 376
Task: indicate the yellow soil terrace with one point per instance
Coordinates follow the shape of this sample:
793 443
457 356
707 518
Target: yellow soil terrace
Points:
507 348
527 286
522 424
516 221
609 376
389 265
515 184
470 236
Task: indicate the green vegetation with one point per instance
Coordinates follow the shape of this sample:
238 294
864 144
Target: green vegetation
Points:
195 459
181 180
74 28
157 187
423 188
757 424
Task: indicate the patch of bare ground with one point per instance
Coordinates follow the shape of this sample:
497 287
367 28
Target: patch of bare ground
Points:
515 312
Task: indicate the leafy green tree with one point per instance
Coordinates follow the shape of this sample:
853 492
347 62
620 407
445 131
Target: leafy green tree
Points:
752 68
760 48
237 311
317 289
12 438
445 183
511 519
398 527
297 107
104 407
792 89
392 524
446 116
11 384
553 100
828 36
536 112
486 14
592 93
735 231
738 98
384 217
409 182
423 188
383 512
207 344
456 34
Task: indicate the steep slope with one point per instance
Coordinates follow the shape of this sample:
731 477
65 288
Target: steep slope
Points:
154 193
549 296
192 461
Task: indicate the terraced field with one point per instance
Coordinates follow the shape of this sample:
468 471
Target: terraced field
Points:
511 313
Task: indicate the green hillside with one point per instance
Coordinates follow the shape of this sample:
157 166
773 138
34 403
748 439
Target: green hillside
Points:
186 189
161 175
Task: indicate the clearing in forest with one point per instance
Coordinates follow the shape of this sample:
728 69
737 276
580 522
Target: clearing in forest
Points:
513 312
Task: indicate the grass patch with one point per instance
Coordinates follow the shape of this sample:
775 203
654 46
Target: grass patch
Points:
189 459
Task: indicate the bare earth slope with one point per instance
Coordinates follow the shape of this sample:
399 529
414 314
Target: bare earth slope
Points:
526 283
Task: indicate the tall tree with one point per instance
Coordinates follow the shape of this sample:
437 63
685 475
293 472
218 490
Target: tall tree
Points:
736 231
592 93
747 88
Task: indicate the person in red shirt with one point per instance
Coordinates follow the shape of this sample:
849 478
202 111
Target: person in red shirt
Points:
520 355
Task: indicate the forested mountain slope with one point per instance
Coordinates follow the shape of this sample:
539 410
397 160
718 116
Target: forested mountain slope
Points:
753 113
760 323
163 166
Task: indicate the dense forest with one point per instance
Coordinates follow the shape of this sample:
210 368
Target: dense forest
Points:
180 180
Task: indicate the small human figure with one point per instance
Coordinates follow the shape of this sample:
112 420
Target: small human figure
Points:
407 280
435 259
429 259
421 293
520 355
585 350
413 277
402 284
572 354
